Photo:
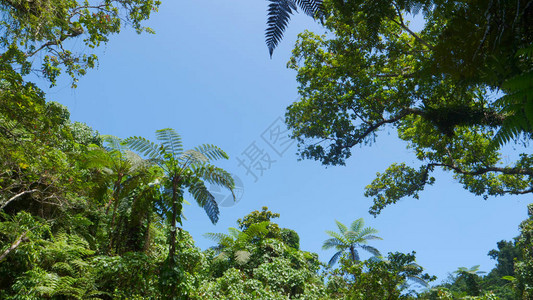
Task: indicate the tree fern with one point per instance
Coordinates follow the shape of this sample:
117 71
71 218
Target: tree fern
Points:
346 241
170 140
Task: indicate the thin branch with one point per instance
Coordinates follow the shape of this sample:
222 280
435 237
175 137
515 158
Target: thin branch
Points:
406 28
373 127
16 197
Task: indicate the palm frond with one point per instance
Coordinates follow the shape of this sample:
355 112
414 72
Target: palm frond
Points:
334 258
170 140
212 152
204 199
145 147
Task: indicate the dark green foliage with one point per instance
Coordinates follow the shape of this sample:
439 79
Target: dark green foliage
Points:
290 237
377 279
524 267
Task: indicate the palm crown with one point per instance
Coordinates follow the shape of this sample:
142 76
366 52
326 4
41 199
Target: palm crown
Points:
357 236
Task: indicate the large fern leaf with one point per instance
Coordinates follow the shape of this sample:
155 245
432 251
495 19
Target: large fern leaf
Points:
204 199
145 147
279 14
517 104
170 140
212 152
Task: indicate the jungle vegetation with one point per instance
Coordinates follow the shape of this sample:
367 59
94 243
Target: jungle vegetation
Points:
91 216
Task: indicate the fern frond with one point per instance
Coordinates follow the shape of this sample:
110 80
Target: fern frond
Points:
258 229
279 14
333 243
215 175
216 237
212 152
193 157
145 147
418 280
370 249
170 140
357 225
234 233
204 199
242 257
338 236
334 258
114 143
342 227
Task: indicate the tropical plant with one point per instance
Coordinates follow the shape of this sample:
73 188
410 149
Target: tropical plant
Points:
279 14
185 171
388 278
349 240
471 278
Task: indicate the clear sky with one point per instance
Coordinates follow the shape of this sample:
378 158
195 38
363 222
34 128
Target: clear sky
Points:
207 73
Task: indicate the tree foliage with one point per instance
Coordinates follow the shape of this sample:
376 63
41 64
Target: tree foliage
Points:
371 71
44 28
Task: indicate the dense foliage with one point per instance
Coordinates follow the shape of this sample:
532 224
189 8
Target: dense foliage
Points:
83 216
436 87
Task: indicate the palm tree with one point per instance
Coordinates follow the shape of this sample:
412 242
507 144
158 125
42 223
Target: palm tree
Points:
184 171
279 14
350 240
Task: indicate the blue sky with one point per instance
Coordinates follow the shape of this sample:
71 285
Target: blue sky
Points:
207 73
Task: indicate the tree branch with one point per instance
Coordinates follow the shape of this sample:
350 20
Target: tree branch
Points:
402 24
17 196
15 245
373 127
481 171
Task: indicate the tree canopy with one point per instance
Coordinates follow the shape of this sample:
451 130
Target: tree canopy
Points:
437 87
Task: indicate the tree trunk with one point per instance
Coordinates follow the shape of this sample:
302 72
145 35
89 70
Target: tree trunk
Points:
172 248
